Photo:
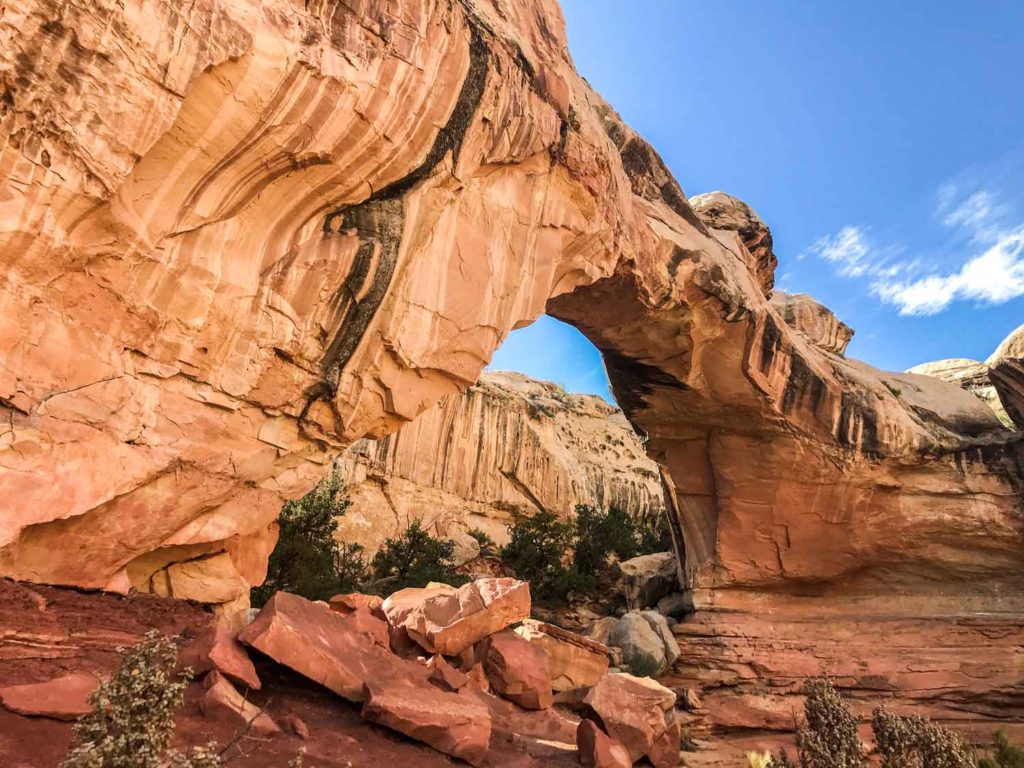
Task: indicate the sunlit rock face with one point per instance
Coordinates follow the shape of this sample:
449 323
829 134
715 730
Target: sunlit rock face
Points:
508 446
237 237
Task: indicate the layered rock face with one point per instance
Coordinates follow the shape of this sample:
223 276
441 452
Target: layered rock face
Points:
508 446
237 237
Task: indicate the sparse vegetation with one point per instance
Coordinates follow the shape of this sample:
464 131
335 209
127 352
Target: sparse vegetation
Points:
485 541
308 560
828 737
1005 755
132 720
536 551
917 742
415 559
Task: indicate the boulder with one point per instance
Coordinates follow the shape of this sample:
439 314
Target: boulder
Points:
665 752
63 698
642 649
646 579
675 606
330 649
223 702
518 670
445 620
631 710
351 601
445 675
662 629
599 631
459 726
573 660
598 749
216 648
296 726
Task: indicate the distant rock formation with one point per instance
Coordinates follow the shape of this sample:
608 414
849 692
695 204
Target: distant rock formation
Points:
509 445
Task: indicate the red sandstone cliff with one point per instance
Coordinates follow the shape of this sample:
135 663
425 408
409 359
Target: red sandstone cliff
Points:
509 445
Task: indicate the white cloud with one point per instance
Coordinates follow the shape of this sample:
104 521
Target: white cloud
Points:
994 277
848 249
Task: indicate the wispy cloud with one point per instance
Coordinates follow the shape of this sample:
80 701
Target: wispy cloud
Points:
979 220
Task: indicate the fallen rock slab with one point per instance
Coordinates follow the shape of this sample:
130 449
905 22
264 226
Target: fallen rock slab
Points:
518 670
598 749
216 648
573 660
63 698
631 710
665 752
646 579
223 701
459 726
352 601
445 620
333 650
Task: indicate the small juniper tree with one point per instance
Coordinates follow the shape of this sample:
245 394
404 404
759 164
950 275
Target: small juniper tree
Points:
415 559
131 724
535 552
917 742
1005 755
308 560
828 738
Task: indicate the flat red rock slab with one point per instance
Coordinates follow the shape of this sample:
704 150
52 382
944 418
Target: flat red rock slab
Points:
518 670
63 698
459 726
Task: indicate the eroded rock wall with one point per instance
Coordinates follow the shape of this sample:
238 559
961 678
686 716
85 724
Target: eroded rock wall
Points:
508 446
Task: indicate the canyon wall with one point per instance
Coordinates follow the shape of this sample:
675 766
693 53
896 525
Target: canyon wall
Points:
508 446
238 236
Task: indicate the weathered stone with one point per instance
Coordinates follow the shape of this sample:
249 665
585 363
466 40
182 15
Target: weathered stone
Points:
631 710
814 321
600 630
221 701
675 606
518 670
643 650
320 644
661 628
445 675
665 752
726 213
598 749
573 660
216 648
352 601
296 726
63 698
646 579
456 725
446 620
1006 370
971 376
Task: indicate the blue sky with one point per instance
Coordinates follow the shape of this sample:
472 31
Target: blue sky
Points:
883 143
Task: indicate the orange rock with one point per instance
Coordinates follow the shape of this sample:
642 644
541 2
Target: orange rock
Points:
296 726
456 725
598 749
222 701
445 620
63 698
352 601
518 670
444 674
217 648
573 660
665 752
632 711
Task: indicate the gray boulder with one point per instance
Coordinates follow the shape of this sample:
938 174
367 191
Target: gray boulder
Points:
646 579
661 628
643 651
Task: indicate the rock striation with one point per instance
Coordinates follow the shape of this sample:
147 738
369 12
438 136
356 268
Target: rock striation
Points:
509 445
238 237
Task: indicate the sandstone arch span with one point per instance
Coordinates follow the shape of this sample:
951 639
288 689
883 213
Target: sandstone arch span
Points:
238 235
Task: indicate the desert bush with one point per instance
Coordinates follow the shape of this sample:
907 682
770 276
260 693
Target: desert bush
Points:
308 560
917 742
415 559
828 737
131 724
535 552
1005 755
485 541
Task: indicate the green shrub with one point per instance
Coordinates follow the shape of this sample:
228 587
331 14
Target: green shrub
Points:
1005 754
131 724
535 552
485 541
415 559
828 738
307 558
917 742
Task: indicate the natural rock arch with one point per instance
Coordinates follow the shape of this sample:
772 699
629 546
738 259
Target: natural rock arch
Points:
237 237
